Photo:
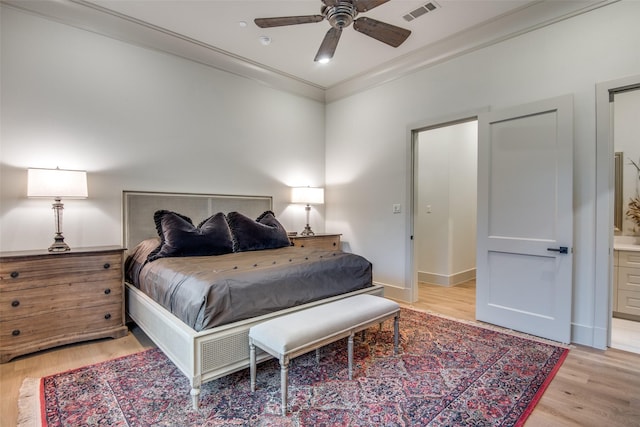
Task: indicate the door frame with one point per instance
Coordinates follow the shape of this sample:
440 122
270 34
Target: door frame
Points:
413 130
603 265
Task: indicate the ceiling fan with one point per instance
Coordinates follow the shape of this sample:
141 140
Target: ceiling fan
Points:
341 14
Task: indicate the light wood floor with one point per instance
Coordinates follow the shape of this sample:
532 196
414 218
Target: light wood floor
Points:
592 388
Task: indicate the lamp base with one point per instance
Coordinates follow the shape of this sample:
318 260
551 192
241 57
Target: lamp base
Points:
59 245
307 231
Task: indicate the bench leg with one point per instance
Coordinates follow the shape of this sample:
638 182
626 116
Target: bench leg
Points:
195 397
252 364
396 321
350 352
284 382
318 355
195 392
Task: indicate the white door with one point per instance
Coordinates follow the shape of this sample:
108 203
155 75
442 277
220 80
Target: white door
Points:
525 218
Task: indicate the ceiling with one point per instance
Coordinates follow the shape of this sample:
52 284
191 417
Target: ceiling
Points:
292 48
211 31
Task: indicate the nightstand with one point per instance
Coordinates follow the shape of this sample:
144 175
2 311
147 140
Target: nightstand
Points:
50 299
320 241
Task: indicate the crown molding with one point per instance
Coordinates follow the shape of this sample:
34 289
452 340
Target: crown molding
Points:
513 24
90 17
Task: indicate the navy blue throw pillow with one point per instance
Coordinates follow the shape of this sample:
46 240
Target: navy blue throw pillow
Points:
263 233
180 238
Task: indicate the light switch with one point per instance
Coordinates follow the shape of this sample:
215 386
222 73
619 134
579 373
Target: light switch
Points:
397 208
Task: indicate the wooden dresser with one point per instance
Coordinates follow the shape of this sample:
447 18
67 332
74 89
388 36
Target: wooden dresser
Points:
49 299
320 241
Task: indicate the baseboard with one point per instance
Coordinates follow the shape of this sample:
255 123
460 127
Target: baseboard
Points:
600 338
396 292
590 336
447 280
626 316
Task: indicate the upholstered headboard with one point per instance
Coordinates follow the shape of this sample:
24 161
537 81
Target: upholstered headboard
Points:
139 207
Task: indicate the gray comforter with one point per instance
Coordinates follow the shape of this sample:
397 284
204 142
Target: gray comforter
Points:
210 291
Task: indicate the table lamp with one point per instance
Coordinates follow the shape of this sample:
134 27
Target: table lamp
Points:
57 184
308 196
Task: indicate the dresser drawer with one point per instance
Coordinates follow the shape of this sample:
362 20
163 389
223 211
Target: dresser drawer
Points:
51 326
629 259
629 279
328 242
627 295
23 274
628 302
28 302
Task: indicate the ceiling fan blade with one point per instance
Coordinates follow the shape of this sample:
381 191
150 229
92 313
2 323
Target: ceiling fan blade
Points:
329 44
365 5
386 33
287 20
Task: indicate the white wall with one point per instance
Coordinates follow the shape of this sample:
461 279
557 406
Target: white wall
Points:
445 211
569 57
137 119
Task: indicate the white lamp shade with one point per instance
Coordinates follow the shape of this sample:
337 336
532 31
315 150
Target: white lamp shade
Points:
307 195
57 183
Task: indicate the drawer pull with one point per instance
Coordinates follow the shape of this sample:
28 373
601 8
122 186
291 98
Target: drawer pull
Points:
107 291
14 274
15 332
106 265
107 316
334 243
15 303
302 246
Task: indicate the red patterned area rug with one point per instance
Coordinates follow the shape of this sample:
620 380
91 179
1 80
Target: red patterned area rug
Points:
448 373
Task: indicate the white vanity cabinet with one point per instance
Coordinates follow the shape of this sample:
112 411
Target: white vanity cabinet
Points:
627 284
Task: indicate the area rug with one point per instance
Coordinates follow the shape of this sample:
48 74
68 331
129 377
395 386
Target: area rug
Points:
448 373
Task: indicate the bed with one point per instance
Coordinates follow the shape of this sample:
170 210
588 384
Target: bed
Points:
213 342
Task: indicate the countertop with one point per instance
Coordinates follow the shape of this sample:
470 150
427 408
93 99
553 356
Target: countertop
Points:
626 243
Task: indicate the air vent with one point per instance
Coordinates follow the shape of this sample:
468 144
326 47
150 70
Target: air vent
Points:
422 10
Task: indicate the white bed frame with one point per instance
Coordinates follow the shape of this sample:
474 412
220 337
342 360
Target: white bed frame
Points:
212 353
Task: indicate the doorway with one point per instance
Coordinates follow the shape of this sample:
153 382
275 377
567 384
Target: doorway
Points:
606 267
524 175
445 200
625 321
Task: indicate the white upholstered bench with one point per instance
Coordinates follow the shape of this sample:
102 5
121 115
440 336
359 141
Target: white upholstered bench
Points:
291 335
